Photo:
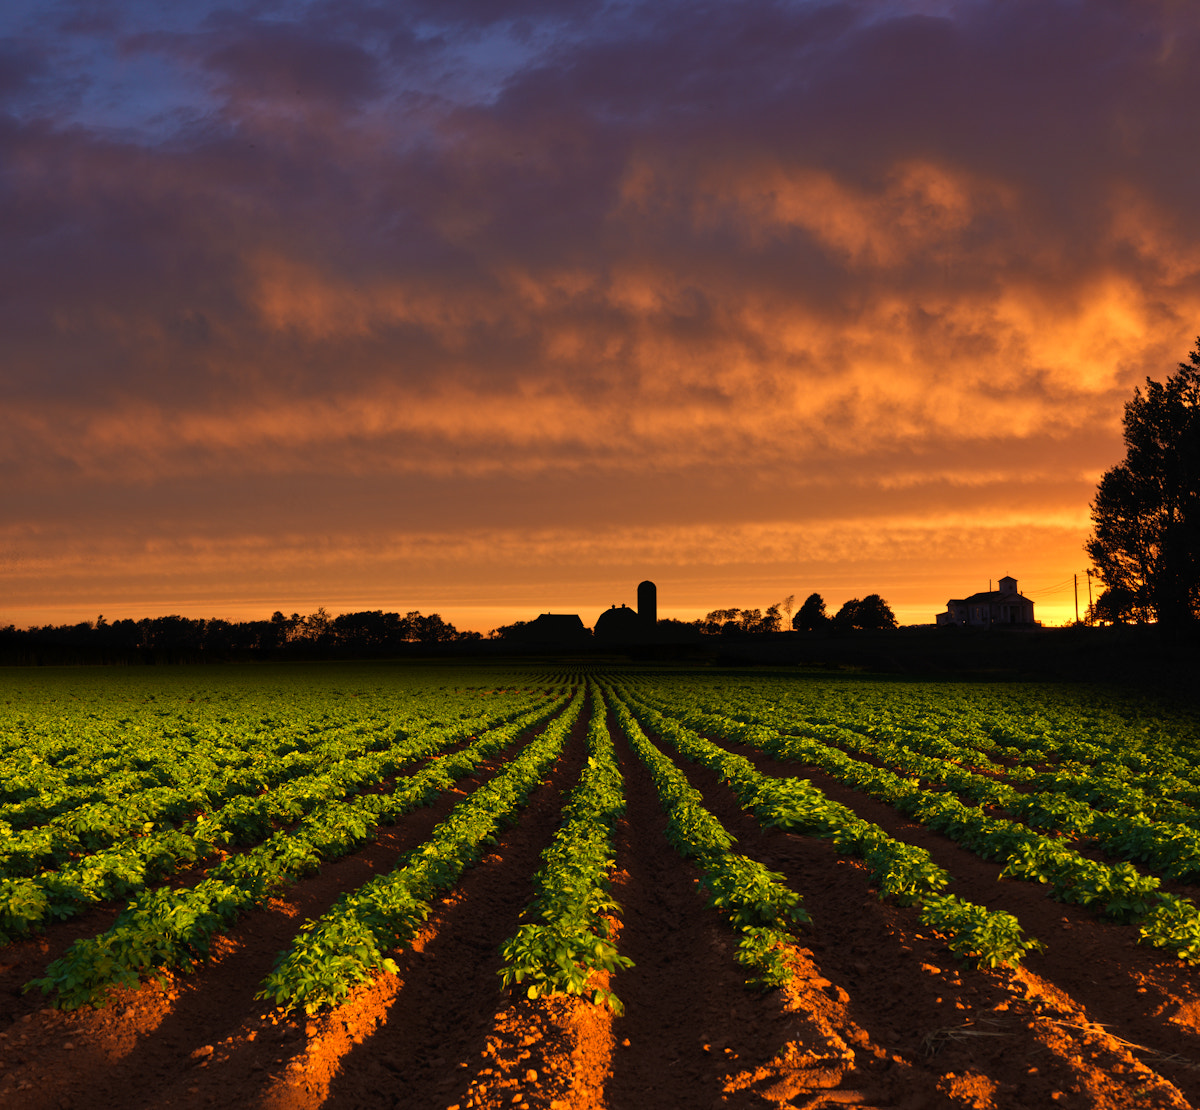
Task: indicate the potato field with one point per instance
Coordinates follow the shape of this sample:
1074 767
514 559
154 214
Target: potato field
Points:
450 886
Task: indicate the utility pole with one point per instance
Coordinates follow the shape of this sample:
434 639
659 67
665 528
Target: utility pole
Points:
1091 608
1077 599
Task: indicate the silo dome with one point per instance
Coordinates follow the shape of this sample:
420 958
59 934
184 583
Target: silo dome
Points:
619 624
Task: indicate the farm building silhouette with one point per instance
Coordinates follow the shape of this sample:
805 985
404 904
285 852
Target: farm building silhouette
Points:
630 626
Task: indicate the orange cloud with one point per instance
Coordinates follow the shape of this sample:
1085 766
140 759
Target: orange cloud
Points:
577 568
747 297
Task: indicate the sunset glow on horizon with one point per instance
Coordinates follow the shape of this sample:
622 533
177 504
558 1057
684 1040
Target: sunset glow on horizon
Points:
497 309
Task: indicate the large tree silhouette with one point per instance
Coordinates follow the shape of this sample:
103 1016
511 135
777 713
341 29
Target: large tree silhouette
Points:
812 614
870 614
1146 515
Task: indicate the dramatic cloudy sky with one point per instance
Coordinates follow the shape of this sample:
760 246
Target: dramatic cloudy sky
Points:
496 307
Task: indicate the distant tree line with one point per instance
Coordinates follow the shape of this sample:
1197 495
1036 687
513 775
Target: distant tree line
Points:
370 633
739 622
867 614
176 639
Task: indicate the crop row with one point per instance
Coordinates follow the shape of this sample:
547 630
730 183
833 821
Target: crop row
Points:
164 928
1025 725
135 862
571 934
85 756
903 872
755 900
1121 827
1119 891
1122 819
350 942
568 930
1107 782
99 824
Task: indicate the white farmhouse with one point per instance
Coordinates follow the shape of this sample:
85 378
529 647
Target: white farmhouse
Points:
1004 606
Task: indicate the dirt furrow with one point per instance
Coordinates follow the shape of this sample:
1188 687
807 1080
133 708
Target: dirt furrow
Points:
200 1037
545 1052
424 1041
1089 849
879 1014
26 959
919 1004
690 1023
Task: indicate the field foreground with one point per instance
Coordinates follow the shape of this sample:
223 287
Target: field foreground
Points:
130 798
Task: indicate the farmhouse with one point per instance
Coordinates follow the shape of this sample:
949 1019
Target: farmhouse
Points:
553 628
1004 606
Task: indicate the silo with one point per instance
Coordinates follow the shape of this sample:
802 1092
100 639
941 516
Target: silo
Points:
648 603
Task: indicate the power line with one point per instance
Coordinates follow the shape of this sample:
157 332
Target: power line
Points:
1051 589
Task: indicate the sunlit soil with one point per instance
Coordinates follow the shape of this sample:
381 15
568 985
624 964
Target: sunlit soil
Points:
878 1013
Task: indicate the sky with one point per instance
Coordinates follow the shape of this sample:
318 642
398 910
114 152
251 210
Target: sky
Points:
496 308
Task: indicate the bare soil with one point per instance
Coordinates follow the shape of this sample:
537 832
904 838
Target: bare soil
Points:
879 1015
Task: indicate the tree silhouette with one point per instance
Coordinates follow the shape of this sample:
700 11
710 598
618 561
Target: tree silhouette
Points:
1146 515
739 622
508 631
317 626
811 615
749 620
1116 605
870 614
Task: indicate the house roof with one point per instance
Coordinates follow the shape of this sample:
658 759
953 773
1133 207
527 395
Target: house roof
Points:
553 626
988 596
